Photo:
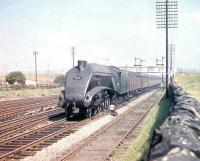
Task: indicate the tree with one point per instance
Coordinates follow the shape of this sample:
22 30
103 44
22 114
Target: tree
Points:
16 76
60 80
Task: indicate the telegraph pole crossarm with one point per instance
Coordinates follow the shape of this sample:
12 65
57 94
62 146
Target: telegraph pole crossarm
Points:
141 61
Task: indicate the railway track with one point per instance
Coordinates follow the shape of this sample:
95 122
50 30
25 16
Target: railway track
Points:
11 109
28 143
19 125
101 144
9 103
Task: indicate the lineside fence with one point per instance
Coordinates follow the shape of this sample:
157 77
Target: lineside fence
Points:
5 87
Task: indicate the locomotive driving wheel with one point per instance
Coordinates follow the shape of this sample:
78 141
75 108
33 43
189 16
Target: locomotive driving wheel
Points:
98 109
67 112
107 103
88 112
103 106
94 111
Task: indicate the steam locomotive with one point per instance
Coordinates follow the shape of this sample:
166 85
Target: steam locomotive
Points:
91 88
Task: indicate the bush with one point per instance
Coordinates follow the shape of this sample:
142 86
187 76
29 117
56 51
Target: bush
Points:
16 87
60 80
16 77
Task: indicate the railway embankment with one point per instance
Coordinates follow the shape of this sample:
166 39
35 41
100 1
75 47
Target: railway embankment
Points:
140 144
178 138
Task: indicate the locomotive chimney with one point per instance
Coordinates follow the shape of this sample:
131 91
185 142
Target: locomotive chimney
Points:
82 64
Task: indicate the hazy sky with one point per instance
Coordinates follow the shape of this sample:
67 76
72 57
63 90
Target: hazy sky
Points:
110 32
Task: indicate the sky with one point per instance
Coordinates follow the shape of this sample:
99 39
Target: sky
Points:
110 32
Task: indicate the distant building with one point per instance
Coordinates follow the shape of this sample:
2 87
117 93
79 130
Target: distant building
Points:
30 83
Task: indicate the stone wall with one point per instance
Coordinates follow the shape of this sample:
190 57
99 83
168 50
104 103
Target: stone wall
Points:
178 139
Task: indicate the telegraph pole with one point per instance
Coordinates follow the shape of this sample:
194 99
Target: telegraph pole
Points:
138 61
166 27
141 61
73 53
157 60
35 53
136 64
167 17
162 67
172 53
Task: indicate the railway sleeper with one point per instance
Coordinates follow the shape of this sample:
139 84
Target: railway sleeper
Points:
26 140
37 147
20 143
51 129
54 139
17 157
39 135
69 131
51 141
9 147
34 149
28 153
62 135
31 139
56 128
47 132
45 144
58 137
6 149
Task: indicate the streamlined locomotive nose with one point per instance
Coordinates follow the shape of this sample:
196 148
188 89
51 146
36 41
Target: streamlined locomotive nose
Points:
78 98
76 83
69 99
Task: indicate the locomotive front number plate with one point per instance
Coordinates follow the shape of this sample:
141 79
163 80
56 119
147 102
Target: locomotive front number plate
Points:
77 77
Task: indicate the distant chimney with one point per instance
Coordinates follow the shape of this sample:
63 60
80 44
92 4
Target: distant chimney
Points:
82 64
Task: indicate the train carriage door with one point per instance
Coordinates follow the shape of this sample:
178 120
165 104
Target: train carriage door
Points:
142 78
127 87
148 81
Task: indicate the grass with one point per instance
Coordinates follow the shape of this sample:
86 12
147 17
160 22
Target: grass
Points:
190 82
29 93
139 147
48 78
